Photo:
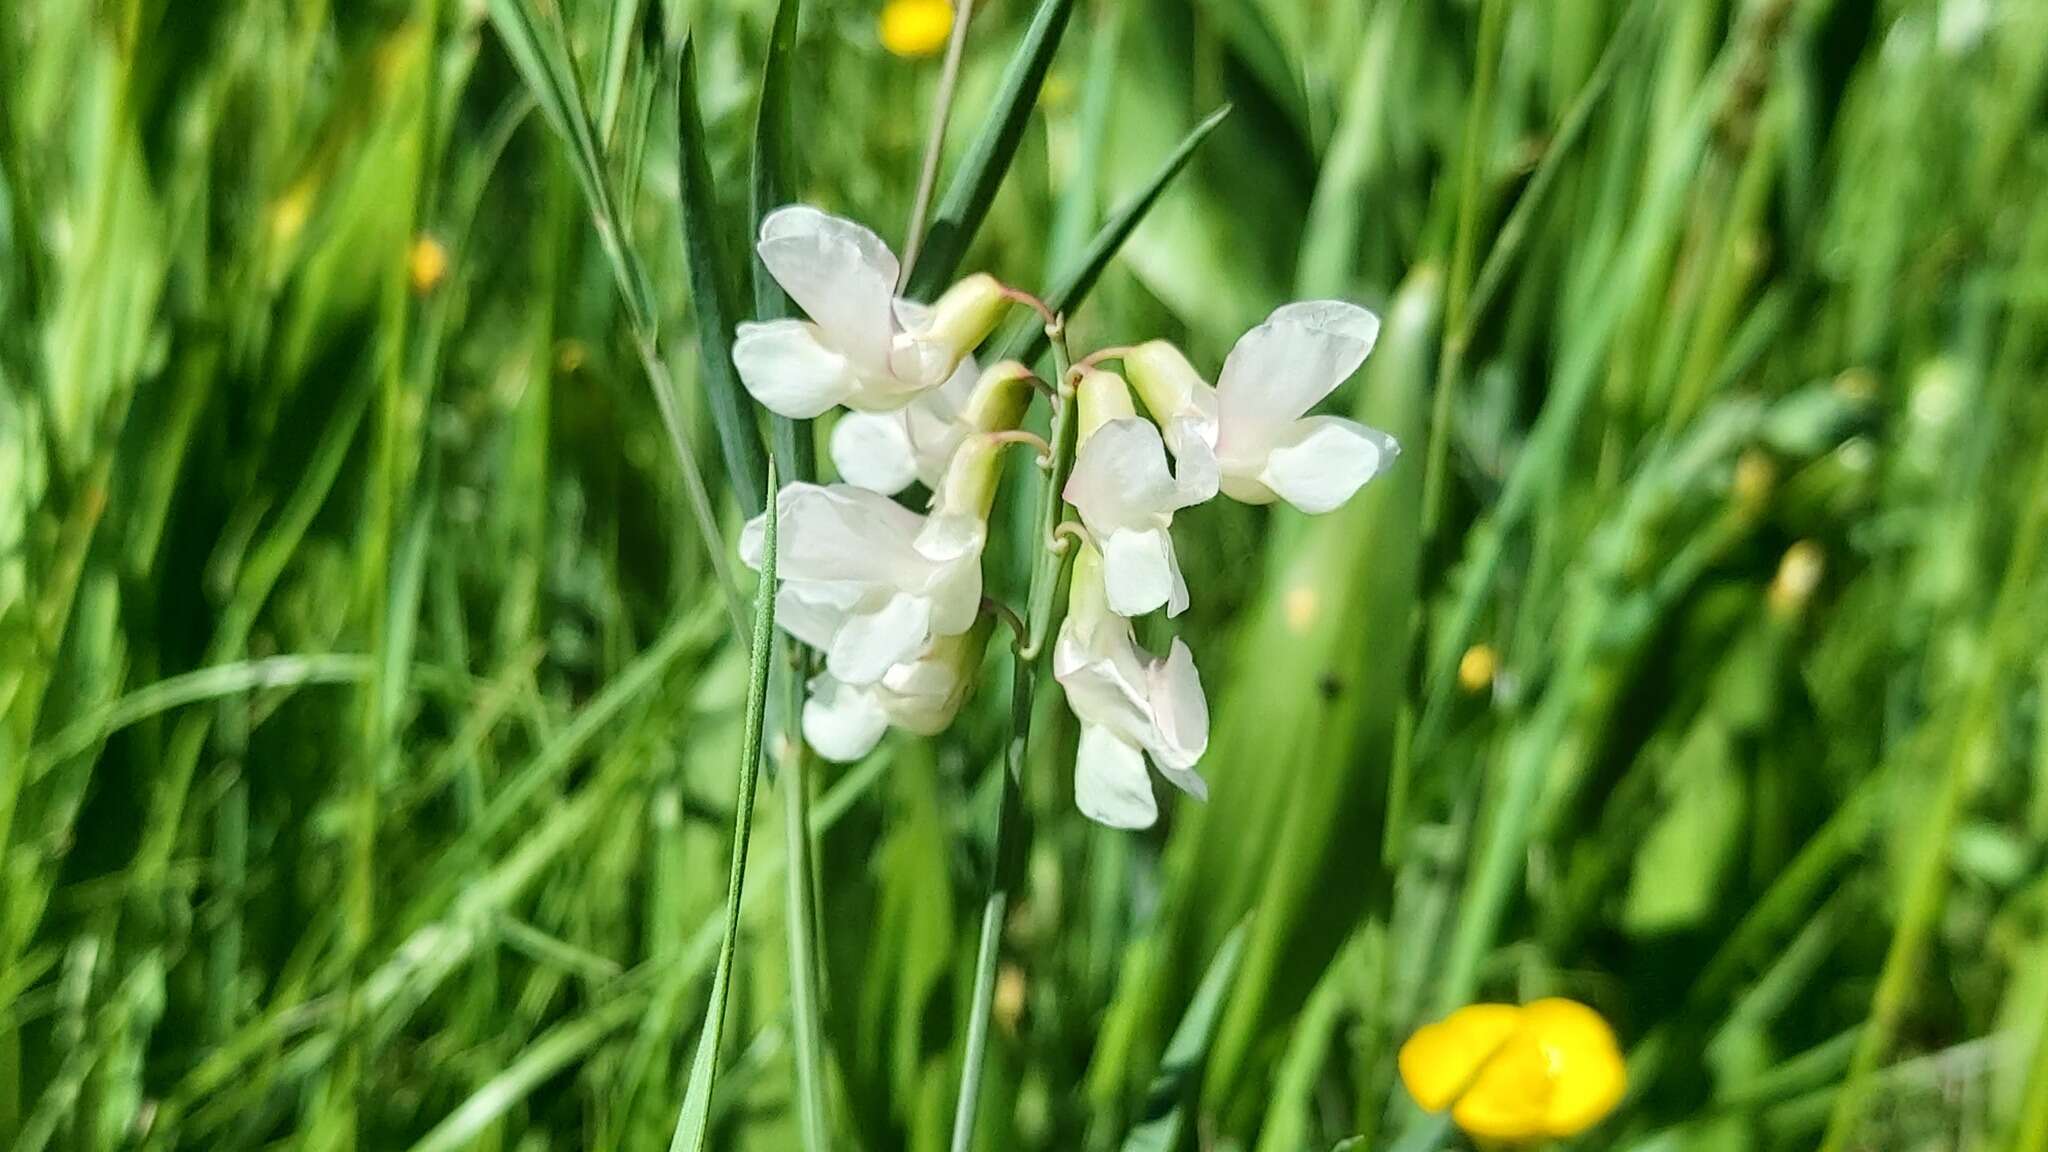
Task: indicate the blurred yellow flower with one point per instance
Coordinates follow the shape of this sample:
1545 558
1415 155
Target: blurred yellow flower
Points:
913 28
1543 1071
1799 573
428 263
1477 668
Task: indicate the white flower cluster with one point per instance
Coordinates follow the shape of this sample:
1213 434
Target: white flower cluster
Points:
893 598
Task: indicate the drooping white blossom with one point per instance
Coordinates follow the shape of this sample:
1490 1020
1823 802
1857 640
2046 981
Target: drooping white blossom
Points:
867 581
863 346
1126 497
844 722
1252 431
1131 704
885 451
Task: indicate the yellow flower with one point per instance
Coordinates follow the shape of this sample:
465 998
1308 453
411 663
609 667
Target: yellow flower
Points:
428 263
913 28
1477 668
1546 1070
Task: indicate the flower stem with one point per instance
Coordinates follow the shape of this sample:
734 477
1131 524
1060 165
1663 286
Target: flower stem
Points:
935 143
1012 829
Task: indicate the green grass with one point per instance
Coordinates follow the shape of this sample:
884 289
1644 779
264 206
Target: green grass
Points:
371 691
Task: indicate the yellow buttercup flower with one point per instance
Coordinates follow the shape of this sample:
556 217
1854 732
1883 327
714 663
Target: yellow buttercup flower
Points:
915 28
1542 1071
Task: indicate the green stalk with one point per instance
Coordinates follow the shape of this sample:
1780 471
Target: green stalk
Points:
1011 829
693 1126
800 911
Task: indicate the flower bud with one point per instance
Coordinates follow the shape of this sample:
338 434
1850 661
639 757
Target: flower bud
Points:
967 313
1103 397
1165 380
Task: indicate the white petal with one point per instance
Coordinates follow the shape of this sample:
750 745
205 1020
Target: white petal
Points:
842 723
1196 474
1180 715
846 534
784 366
1110 783
867 644
1140 571
805 614
1280 369
923 695
872 450
937 422
1120 478
1321 461
839 273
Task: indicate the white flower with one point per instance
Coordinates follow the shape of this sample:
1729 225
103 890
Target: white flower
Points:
1253 431
845 722
885 451
863 346
1131 705
1126 497
867 581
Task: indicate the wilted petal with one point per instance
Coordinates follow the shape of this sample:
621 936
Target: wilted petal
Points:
1110 784
1280 369
1320 462
784 366
842 723
872 450
839 273
867 644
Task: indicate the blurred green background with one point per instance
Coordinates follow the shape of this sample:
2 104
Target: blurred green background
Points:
368 719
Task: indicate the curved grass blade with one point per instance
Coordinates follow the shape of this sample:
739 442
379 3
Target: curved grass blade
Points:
1180 1069
694 1125
981 172
1027 342
711 296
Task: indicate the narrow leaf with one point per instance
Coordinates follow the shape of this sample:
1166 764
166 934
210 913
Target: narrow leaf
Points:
774 178
981 171
732 414
693 1125
1180 1068
611 81
1028 340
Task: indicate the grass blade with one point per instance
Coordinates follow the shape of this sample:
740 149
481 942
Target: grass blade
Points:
973 187
1180 1068
1025 343
693 1126
732 412
774 177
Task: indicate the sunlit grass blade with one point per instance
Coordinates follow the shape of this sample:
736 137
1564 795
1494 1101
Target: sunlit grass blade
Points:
981 171
1165 1123
1070 286
693 1127
711 296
